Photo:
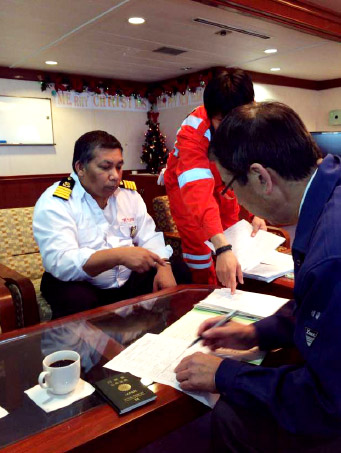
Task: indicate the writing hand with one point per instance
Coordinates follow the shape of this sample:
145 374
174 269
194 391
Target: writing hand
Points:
232 335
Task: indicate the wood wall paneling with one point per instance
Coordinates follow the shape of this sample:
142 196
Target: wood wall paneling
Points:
147 187
23 191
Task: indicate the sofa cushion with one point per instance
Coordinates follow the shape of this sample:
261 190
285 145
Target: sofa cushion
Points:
16 233
29 265
19 251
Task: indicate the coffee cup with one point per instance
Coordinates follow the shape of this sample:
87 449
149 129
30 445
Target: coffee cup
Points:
61 372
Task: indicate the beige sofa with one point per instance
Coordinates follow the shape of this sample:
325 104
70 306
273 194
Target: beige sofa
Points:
21 266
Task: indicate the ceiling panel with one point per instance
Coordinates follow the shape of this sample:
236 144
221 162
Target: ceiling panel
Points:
93 37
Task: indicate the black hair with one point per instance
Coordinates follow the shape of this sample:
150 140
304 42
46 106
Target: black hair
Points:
228 89
268 133
87 143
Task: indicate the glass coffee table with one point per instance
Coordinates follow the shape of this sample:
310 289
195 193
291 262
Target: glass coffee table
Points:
98 335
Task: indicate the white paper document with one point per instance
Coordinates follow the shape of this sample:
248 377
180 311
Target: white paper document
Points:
3 412
255 304
257 255
154 358
186 328
273 265
249 250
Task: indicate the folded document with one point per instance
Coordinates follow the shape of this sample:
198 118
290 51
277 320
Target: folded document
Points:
257 255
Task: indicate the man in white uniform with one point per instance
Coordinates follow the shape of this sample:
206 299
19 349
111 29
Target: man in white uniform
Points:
97 240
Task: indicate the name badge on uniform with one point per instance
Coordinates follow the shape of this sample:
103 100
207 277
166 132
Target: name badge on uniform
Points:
133 231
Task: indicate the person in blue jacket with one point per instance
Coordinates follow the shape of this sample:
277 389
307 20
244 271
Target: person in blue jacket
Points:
268 157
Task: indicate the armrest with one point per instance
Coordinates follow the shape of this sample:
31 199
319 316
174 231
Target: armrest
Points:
7 309
170 235
174 240
26 305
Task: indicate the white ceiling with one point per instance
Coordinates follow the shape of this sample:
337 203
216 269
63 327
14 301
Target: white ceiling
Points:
93 37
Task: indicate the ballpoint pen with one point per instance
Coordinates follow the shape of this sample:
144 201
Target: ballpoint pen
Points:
219 323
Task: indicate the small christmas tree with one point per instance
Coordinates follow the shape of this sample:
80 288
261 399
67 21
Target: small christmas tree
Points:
154 151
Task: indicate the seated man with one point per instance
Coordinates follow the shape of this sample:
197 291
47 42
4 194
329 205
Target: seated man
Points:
275 169
96 238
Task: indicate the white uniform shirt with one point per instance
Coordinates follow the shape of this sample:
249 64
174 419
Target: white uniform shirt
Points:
69 231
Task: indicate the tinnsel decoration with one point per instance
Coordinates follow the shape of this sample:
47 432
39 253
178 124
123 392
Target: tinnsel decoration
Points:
113 87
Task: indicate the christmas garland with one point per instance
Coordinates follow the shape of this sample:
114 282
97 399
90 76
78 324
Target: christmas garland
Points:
114 87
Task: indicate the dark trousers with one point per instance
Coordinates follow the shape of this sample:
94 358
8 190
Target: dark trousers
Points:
71 297
239 430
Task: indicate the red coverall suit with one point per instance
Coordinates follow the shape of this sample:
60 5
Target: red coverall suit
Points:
193 186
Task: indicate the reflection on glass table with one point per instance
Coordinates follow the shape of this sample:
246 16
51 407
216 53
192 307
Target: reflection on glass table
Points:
97 336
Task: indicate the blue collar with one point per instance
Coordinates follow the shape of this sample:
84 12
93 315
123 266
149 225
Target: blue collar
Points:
328 176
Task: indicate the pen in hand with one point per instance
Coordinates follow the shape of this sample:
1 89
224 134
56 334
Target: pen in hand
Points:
219 323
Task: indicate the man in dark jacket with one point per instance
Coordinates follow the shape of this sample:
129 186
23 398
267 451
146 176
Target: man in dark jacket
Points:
265 152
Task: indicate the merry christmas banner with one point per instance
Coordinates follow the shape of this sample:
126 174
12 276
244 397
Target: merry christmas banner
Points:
71 99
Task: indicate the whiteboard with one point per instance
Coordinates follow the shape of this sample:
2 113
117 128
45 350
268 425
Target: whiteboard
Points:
25 121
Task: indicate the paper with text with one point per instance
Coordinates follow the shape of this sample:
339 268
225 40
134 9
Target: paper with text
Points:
154 357
186 328
256 304
249 250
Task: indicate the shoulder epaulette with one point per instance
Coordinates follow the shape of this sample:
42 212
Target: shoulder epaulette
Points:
64 188
128 184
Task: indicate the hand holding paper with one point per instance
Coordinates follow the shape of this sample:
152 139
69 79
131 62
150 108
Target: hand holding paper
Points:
197 371
257 255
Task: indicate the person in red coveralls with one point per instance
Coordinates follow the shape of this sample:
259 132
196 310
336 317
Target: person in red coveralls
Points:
194 187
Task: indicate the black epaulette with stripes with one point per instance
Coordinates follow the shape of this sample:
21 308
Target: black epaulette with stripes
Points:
124 184
64 188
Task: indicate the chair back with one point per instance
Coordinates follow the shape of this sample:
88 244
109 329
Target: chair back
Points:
162 215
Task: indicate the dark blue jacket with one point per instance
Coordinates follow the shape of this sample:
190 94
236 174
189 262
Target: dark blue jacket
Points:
304 399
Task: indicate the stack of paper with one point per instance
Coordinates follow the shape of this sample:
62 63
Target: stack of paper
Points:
248 303
257 255
272 266
154 357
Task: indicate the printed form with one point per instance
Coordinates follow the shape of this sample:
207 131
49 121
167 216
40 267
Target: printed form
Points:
154 357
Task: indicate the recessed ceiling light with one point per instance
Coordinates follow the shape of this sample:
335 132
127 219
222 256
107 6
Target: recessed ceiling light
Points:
51 62
270 50
275 69
136 20
186 68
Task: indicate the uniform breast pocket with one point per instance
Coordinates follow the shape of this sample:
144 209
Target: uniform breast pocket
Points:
87 236
128 231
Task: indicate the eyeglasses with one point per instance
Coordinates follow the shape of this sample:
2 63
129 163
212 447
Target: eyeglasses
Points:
228 186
